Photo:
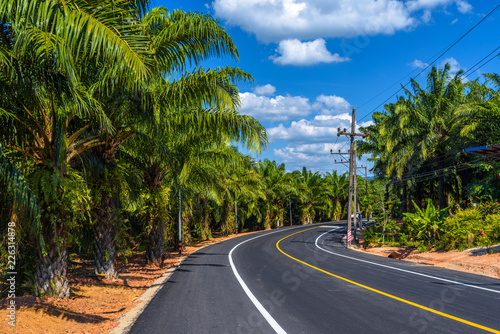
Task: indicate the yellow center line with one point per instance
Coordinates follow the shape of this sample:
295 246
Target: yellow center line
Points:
384 293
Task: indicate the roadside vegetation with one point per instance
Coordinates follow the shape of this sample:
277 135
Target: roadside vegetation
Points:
436 195
109 122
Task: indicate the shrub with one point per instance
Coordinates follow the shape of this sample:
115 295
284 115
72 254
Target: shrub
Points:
492 227
489 208
425 226
371 236
466 229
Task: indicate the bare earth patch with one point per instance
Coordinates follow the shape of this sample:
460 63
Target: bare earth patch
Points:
96 303
476 261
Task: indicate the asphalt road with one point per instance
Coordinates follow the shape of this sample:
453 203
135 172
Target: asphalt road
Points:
302 280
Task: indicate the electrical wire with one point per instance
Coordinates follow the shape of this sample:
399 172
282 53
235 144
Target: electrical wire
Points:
444 171
429 64
473 67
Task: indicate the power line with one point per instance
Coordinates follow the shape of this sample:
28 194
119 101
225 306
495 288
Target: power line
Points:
444 171
472 68
429 64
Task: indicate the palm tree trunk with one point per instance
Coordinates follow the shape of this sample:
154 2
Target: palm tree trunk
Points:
267 221
156 237
104 237
50 276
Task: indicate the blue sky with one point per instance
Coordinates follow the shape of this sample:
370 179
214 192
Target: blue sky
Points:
314 60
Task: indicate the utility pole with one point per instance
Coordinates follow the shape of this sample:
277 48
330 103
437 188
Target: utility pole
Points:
366 185
352 174
290 202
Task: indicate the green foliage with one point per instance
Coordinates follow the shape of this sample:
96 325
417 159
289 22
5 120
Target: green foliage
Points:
372 237
388 228
425 225
492 227
471 228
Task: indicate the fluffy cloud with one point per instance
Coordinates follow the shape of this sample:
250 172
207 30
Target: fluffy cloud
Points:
418 64
464 7
310 141
333 103
295 52
454 65
307 153
266 90
278 20
322 128
279 108
283 108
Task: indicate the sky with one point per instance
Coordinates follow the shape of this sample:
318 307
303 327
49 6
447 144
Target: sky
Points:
315 60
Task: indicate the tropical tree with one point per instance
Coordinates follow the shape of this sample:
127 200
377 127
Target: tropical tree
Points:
278 188
338 192
313 195
176 40
47 99
419 132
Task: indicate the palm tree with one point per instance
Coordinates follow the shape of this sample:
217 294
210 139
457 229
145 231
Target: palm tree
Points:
243 190
338 188
278 188
312 193
176 40
47 98
190 150
419 131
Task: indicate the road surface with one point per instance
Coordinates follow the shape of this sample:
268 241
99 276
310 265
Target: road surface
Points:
302 280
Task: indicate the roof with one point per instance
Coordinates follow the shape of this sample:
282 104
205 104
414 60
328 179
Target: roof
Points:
488 150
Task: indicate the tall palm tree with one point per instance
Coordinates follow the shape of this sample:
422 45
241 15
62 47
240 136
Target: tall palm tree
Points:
192 150
420 130
47 98
312 193
176 40
278 188
338 188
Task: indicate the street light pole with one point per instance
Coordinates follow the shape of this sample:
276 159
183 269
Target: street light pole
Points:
290 202
236 215
180 222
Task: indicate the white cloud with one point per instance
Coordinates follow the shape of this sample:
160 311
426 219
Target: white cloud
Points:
266 90
311 153
279 108
454 21
322 128
418 64
332 104
308 142
464 6
283 108
454 65
426 16
278 20
295 52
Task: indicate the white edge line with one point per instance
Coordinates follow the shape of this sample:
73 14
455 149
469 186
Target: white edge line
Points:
277 328
403 270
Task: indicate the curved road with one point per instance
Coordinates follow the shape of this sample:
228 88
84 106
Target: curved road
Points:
302 280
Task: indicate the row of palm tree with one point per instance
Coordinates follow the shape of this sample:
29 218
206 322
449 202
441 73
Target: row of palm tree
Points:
418 142
111 133
99 97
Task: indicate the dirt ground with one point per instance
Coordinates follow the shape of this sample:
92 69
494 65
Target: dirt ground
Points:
96 303
476 261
